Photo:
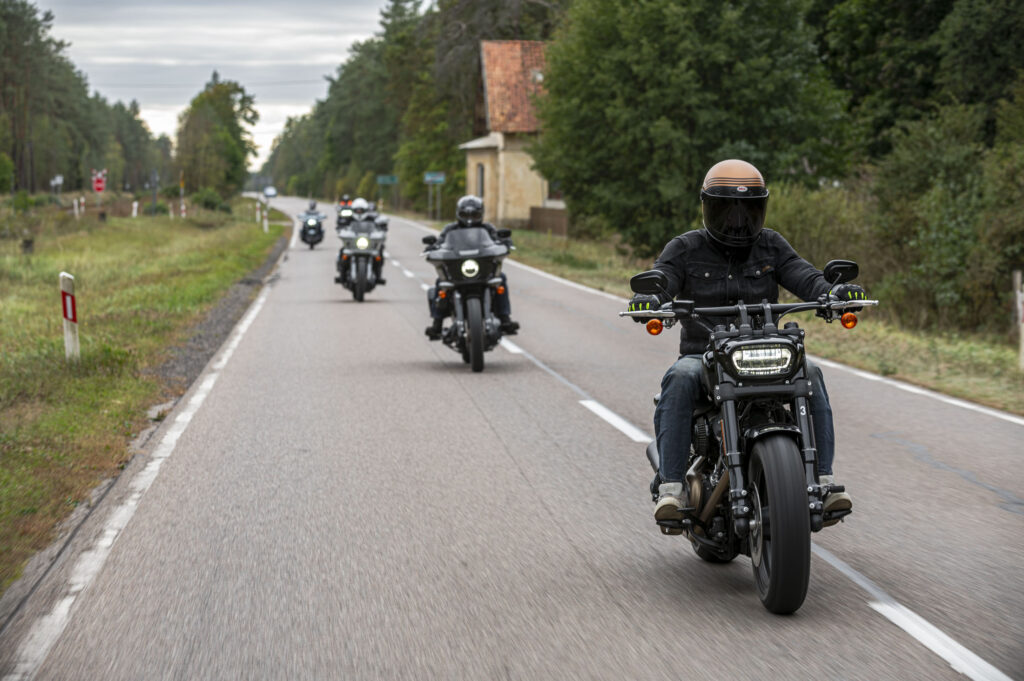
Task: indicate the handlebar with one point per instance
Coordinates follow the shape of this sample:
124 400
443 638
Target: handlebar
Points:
684 309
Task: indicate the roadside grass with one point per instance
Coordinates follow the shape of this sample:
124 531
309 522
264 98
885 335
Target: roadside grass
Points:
140 285
975 368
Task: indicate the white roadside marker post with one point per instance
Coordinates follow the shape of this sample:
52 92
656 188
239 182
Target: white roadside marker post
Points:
266 214
70 311
135 209
74 203
1018 307
257 212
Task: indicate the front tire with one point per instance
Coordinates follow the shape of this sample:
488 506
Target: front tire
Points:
780 539
475 317
359 286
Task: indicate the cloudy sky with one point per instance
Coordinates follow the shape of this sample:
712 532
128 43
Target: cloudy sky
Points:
162 53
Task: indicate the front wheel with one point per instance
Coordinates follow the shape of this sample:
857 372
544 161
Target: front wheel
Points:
780 534
359 286
475 317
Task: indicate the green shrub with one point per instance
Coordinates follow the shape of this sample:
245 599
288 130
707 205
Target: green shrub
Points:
159 208
207 198
224 207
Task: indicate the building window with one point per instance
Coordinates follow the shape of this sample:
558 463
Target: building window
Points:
555 190
480 180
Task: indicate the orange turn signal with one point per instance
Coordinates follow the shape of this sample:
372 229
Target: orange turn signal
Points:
654 326
848 320
344 257
501 290
442 294
377 258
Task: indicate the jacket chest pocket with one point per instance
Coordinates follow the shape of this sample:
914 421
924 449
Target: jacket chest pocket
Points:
706 284
757 283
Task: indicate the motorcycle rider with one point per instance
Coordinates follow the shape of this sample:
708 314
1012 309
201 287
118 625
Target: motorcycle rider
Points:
469 212
732 258
361 211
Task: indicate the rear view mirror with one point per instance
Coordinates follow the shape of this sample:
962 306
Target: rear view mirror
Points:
651 282
430 240
504 233
382 223
840 271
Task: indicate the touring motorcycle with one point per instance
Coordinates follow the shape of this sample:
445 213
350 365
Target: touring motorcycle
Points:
361 256
751 483
312 229
468 265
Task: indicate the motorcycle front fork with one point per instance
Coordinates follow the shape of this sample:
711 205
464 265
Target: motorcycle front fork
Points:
738 494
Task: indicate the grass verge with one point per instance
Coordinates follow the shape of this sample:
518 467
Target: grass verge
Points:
141 284
978 369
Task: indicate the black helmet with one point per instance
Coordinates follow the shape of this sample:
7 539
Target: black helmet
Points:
470 210
312 205
733 202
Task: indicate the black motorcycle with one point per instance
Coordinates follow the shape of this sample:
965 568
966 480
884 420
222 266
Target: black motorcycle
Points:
345 216
468 266
361 256
752 484
312 229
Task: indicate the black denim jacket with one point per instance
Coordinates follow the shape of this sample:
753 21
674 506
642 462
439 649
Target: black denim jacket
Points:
703 271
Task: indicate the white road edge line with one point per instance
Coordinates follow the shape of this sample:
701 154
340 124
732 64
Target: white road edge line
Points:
424 286
47 629
959 658
924 392
624 426
295 235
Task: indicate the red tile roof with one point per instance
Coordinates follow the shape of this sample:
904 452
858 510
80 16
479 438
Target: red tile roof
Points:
512 72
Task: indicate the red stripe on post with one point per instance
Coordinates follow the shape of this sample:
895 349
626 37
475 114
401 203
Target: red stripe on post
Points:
68 301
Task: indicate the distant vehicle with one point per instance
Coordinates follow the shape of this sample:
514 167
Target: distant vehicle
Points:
269 191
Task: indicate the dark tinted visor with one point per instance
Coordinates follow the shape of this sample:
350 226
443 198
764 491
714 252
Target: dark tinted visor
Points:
472 213
734 221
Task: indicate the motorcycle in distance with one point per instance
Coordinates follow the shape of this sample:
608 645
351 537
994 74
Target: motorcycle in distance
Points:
751 483
362 255
312 229
345 216
468 265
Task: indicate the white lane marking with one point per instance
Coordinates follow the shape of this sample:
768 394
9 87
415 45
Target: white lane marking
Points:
867 375
47 629
424 286
825 362
295 234
959 658
511 347
408 273
627 428
396 263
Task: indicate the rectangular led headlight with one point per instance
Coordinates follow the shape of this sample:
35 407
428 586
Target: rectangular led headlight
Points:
762 360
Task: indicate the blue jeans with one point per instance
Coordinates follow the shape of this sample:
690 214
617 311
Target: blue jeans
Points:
440 309
681 392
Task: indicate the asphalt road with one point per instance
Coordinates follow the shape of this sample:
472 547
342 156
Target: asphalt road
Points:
346 500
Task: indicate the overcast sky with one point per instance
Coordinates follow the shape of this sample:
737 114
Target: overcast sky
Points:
162 53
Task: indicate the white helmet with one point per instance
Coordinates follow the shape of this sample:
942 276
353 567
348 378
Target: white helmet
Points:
360 206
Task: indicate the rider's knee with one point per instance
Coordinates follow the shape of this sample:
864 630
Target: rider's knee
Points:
683 375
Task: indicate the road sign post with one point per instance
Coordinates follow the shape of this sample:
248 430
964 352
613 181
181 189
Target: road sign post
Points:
70 311
434 180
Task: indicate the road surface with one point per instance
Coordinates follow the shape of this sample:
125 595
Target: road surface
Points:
338 498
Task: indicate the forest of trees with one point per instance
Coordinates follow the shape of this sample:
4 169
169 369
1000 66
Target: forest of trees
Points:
49 123
404 100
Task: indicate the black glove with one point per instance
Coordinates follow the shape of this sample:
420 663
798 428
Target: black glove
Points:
641 302
849 292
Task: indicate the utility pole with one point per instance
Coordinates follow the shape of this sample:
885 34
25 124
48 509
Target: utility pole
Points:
1018 313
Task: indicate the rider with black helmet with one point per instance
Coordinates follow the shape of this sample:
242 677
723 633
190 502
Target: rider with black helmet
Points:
733 258
469 212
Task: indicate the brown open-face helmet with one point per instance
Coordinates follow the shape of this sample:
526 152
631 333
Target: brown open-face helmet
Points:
733 202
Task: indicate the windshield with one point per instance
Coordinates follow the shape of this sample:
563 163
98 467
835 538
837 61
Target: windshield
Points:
468 242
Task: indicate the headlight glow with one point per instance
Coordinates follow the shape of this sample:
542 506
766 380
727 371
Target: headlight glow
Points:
362 243
346 213
762 360
470 268
311 222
